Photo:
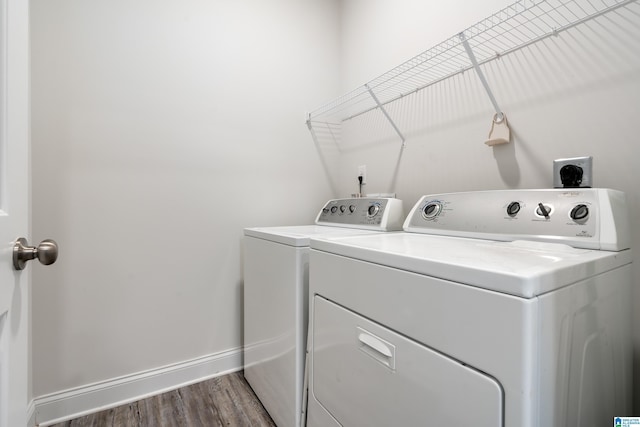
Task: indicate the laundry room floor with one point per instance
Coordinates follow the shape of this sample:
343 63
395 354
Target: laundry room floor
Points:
223 401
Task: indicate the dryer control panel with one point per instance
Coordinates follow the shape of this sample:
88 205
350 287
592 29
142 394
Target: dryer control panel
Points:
586 218
369 213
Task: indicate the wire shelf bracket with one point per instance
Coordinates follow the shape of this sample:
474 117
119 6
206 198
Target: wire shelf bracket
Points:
483 80
384 111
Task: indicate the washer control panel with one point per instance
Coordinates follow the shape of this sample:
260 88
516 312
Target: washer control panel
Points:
371 213
587 217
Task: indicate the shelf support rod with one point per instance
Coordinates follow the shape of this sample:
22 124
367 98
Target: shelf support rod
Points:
483 80
313 133
381 107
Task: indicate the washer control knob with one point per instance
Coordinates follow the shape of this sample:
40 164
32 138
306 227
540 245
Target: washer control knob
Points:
352 208
342 208
513 209
579 212
431 210
373 210
334 209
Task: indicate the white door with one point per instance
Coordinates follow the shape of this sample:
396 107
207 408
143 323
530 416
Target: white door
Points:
14 211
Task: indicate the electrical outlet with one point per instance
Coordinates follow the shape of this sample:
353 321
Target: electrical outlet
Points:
362 171
575 172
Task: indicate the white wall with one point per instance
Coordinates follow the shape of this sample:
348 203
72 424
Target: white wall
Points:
572 95
160 129
378 35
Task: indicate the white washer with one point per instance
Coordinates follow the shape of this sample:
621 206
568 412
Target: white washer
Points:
276 274
527 323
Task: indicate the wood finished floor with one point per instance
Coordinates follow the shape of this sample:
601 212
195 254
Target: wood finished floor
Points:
223 401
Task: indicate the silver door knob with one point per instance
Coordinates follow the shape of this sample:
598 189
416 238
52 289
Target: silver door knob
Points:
46 252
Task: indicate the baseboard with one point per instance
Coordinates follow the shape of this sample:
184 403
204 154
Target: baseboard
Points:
31 414
80 401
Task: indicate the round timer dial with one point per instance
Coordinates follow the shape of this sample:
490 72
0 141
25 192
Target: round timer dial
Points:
431 210
513 209
373 210
579 212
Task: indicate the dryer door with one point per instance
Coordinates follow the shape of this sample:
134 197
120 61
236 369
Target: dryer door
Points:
367 375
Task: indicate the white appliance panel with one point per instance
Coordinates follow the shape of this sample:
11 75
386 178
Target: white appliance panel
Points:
368 213
594 218
587 359
391 380
277 313
300 235
276 269
522 268
463 322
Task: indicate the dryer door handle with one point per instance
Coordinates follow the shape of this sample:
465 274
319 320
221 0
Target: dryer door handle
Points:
375 343
381 350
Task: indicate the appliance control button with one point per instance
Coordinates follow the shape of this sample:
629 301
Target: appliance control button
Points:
579 212
431 210
513 209
334 209
373 210
544 210
352 208
343 208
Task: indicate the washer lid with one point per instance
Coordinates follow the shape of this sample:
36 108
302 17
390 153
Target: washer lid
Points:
300 235
522 268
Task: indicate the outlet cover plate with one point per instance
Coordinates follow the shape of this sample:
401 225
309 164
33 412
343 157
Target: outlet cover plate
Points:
362 171
584 163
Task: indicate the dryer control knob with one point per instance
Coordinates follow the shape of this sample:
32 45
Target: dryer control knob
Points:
579 212
513 209
544 210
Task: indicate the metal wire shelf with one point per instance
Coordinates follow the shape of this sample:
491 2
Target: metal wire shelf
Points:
514 27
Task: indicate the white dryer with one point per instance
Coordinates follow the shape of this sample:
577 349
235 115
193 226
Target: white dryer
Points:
276 274
500 308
